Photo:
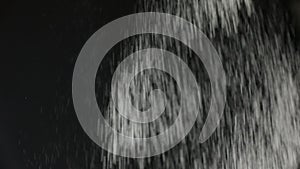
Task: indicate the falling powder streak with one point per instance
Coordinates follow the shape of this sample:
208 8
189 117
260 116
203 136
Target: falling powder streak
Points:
260 128
263 114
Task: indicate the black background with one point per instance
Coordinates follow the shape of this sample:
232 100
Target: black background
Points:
40 41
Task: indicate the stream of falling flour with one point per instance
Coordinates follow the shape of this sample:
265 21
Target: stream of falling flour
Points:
260 128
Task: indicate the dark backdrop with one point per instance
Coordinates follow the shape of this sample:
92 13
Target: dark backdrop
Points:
40 41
